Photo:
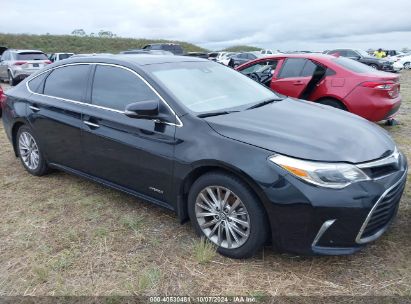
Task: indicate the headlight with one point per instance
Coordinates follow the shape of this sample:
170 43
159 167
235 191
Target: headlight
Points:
329 175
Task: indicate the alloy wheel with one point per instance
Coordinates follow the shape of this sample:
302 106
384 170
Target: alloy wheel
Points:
407 66
222 217
29 151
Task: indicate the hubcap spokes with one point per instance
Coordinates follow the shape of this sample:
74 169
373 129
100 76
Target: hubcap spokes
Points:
222 217
29 150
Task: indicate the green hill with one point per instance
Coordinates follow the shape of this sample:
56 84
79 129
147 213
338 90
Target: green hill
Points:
242 48
67 43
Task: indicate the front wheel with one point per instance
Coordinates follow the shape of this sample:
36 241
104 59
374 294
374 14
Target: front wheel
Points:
407 66
30 153
374 66
224 210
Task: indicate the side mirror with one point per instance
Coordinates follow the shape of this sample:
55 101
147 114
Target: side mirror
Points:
147 109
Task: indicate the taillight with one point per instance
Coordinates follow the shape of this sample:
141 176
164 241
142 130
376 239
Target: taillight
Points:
381 85
392 88
20 62
3 98
47 62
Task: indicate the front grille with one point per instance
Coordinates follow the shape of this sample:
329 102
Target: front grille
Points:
381 171
382 213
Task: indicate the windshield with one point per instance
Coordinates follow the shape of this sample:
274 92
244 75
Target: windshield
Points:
31 56
363 53
353 65
209 87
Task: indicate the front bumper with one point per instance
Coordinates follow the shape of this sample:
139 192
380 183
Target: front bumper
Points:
388 68
324 221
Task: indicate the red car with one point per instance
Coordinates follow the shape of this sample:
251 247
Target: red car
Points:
335 81
2 99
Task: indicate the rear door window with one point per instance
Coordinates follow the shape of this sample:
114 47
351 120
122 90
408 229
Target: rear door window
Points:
350 53
292 67
68 82
156 47
309 69
115 88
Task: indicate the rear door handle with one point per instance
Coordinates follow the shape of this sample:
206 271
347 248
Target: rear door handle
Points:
90 124
34 108
298 83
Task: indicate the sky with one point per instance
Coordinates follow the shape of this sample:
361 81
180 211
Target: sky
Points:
216 24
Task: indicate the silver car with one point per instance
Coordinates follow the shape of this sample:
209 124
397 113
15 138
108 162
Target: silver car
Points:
15 65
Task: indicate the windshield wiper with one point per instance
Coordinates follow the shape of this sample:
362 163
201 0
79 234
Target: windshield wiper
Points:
263 103
215 113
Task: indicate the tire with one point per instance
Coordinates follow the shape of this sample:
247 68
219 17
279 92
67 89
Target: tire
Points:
374 66
12 81
407 66
333 103
247 223
27 143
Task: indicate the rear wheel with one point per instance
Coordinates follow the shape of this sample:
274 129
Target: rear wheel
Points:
333 103
374 66
29 152
12 81
407 66
224 210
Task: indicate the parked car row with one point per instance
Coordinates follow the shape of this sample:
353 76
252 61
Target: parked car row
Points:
334 81
16 65
246 165
364 57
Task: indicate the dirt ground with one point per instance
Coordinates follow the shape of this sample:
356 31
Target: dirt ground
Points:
62 235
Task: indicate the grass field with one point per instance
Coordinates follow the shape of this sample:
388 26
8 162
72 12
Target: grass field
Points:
68 43
62 235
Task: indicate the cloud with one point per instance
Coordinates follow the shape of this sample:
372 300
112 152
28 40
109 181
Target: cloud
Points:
216 24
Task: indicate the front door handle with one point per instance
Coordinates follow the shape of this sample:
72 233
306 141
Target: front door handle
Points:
34 108
90 124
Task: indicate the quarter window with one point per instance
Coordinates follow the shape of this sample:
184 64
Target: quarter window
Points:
68 82
116 88
36 85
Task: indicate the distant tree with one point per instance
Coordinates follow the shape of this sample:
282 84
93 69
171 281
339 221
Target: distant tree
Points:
92 34
105 34
405 50
79 32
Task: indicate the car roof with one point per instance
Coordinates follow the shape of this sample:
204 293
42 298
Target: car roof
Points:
25 51
314 56
139 59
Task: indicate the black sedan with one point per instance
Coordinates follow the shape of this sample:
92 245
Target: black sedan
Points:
241 58
244 165
363 57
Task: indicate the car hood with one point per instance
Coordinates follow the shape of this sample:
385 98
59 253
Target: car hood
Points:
306 130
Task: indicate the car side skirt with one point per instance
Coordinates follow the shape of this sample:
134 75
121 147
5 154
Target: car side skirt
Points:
112 185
